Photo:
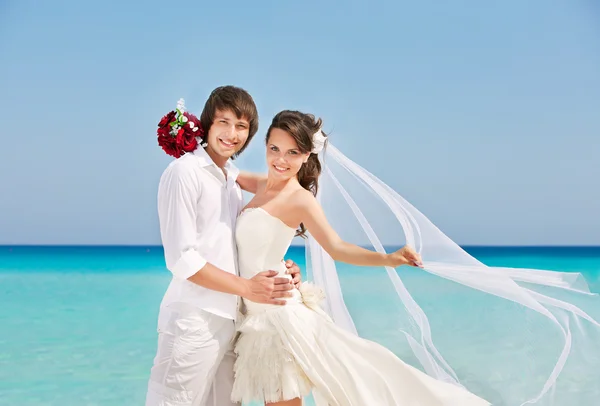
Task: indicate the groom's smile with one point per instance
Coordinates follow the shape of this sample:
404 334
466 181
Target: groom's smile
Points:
228 144
226 136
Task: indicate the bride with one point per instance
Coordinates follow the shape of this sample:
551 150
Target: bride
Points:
286 352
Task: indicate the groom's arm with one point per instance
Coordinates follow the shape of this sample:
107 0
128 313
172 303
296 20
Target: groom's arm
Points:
178 194
249 181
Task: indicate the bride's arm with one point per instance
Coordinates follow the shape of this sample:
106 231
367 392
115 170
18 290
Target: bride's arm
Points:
249 181
313 218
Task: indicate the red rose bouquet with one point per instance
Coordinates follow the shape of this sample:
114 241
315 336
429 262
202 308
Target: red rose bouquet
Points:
177 131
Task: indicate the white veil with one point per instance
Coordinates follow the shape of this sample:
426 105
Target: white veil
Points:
512 336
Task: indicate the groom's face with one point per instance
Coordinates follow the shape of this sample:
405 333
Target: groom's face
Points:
227 134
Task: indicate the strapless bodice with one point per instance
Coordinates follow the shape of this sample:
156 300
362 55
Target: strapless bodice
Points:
262 242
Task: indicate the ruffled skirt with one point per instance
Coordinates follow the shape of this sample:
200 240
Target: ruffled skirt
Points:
286 352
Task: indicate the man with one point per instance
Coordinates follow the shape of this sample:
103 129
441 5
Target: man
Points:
198 203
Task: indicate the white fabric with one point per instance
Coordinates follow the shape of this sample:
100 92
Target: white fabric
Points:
204 376
285 351
532 343
197 210
318 140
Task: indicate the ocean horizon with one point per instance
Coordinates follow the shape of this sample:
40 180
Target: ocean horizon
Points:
79 321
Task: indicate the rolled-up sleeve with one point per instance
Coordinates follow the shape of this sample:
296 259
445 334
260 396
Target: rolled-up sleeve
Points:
178 194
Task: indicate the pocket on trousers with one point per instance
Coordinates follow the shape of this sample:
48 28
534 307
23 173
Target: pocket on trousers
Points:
190 349
181 319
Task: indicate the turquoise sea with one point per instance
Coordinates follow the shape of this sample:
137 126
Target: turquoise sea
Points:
77 324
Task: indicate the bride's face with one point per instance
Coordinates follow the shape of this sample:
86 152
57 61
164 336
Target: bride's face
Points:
227 134
284 159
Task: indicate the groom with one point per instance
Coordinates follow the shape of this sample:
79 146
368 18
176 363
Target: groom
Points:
198 203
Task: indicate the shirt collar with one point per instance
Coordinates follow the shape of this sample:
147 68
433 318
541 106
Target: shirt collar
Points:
206 160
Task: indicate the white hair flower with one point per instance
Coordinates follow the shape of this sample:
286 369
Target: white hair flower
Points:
318 140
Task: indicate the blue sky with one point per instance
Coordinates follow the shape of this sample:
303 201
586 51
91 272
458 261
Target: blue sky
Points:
484 116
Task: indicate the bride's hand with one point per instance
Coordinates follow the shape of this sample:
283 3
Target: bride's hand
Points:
405 256
294 270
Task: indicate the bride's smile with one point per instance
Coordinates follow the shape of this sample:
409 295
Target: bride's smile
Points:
284 157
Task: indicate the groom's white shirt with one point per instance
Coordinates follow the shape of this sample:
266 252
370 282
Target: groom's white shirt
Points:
198 208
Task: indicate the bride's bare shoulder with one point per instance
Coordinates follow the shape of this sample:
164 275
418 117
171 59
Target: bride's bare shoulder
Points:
303 199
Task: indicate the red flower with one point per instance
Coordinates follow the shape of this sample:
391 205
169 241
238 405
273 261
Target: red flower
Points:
167 119
168 146
179 136
190 144
185 138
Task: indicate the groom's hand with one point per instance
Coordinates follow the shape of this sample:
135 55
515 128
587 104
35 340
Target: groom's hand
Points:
266 287
294 270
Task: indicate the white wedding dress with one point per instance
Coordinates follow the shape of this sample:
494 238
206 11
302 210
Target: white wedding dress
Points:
284 352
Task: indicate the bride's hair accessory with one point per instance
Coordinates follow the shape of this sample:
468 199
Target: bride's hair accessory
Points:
318 141
178 131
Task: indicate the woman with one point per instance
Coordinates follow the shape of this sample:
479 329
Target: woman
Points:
286 352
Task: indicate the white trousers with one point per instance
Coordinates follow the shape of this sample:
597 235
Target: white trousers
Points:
194 359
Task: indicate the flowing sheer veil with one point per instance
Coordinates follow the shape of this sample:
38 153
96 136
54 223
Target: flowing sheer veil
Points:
513 336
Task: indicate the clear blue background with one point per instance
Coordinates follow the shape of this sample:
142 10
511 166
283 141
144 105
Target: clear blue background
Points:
484 115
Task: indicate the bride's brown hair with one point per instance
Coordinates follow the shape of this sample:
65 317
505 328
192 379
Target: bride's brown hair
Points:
301 127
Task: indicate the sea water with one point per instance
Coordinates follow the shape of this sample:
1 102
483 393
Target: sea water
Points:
78 324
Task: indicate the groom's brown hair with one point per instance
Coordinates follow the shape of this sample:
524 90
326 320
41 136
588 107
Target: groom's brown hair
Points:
236 100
